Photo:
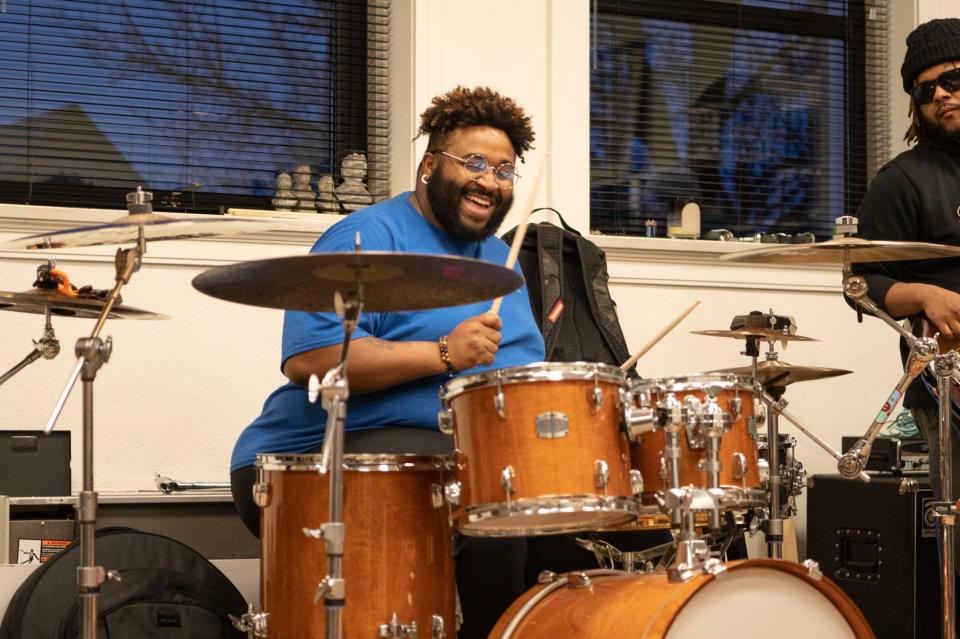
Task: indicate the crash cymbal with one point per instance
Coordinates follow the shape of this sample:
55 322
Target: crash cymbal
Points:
837 251
765 334
391 281
780 373
39 300
125 230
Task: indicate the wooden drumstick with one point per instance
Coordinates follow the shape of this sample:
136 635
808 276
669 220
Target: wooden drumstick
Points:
522 228
656 338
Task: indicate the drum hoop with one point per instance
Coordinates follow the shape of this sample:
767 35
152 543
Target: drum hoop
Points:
615 508
538 372
694 382
368 462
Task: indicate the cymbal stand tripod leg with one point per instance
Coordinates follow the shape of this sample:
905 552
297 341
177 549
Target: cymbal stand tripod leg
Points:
46 347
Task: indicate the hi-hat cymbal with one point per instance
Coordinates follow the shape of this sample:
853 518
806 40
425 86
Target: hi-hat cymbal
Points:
125 230
39 300
780 373
838 251
765 334
391 281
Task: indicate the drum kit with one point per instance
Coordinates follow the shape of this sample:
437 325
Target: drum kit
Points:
604 453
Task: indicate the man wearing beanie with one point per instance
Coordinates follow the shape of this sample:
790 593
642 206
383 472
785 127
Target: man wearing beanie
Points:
916 197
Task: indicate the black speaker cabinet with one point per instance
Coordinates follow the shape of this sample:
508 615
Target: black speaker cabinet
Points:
877 541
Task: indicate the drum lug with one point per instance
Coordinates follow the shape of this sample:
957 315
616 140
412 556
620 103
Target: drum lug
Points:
813 569
636 481
735 406
499 401
396 630
740 467
261 494
693 407
507 475
579 580
436 495
547 577
451 492
551 425
596 397
446 420
601 475
437 628
254 624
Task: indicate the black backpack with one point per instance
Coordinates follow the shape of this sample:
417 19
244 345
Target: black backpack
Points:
567 279
167 590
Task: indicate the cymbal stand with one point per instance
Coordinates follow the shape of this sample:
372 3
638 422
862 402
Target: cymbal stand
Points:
46 347
92 353
924 351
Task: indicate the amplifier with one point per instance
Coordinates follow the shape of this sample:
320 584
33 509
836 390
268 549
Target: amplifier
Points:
878 542
894 454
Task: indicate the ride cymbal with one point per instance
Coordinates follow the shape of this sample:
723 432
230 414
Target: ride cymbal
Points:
126 230
841 250
390 281
780 373
765 334
39 300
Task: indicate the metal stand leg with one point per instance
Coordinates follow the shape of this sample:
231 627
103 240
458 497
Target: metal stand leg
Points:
945 367
94 352
774 525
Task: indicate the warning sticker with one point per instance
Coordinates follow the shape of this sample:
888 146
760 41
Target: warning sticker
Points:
38 551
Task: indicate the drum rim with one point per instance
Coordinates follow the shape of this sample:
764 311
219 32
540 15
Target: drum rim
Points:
693 381
362 462
543 505
536 372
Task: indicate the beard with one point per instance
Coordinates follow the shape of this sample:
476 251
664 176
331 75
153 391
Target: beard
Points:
444 198
933 130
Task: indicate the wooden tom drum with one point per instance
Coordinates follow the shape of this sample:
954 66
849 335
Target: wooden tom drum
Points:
539 449
397 564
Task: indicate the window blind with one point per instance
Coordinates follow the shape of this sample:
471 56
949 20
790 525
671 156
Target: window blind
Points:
755 109
202 102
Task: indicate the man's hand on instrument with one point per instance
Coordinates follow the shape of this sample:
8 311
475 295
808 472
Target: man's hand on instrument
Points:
475 341
942 308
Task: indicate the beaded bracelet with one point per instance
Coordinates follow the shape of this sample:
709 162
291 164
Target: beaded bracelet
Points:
445 355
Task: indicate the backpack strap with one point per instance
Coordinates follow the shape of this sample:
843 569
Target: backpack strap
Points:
550 256
595 277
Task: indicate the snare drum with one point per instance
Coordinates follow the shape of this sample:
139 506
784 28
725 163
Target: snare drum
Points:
602 604
539 449
397 563
697 403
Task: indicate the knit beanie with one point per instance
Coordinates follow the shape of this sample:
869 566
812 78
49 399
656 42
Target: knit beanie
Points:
930 43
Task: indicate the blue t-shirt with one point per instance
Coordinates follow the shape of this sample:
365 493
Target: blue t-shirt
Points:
290 424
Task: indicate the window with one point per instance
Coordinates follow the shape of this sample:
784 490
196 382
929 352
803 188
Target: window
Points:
202 102
757 109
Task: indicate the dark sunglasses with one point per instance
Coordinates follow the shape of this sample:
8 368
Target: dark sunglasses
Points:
949 80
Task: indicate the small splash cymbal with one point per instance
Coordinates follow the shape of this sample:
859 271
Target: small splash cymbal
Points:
126 230
844 249
780 373
765 334
391 281
39 300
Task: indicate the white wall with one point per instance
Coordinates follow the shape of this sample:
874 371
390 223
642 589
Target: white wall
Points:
176 393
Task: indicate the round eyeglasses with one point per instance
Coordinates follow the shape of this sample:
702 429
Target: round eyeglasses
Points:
477 166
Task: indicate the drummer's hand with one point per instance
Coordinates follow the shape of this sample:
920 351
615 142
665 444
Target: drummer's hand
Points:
474 341
942 308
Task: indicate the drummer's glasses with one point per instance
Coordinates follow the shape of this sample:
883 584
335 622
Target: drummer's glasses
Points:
477 166
950 81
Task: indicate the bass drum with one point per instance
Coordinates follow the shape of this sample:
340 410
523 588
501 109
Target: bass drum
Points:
762 593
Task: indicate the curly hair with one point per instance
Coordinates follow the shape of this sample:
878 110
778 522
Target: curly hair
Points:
482 106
